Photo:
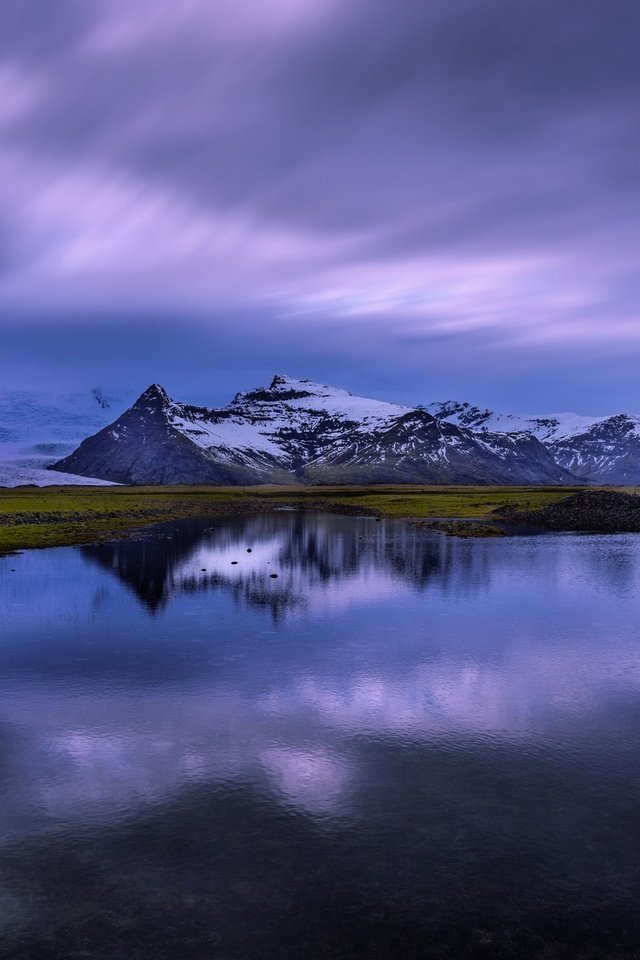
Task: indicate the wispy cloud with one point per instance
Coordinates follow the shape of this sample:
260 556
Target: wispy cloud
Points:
442 168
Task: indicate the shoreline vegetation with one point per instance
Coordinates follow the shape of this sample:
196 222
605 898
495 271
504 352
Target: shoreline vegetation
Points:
38 517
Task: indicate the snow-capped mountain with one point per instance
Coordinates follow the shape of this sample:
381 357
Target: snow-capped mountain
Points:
593 449
37 428
299 431
546 428
608 451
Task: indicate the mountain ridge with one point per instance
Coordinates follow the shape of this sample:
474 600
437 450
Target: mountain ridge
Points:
300 431
602 449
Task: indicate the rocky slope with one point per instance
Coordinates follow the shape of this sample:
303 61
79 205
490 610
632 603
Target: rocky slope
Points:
608 451
602 450
299 431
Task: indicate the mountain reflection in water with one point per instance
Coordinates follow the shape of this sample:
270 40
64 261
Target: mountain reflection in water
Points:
308 558
403 745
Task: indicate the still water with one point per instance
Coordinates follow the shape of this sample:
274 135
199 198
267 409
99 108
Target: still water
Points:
402 745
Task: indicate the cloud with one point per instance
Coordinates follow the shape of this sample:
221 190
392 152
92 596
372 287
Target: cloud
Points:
445 167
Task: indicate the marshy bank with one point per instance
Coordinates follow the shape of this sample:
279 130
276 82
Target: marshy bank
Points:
33 517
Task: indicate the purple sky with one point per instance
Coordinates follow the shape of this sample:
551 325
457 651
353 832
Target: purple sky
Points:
418 200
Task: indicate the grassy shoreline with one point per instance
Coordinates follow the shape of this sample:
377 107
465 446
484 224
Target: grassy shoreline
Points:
38 517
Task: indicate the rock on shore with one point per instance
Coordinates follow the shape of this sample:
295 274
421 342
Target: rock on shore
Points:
601 511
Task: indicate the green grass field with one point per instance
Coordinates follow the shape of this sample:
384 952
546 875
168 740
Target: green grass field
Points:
56 516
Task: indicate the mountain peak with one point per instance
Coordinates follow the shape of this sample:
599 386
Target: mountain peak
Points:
155 395
287 389
280 381
155 390
284 384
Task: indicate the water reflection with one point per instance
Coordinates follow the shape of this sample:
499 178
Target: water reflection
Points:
243 555
402 745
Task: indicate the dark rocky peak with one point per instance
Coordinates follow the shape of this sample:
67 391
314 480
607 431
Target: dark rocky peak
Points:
413 419
154 396
282 382
463 413
448 408
617 427
620 422
280 390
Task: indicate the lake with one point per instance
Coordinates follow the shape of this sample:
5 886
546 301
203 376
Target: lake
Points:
299 735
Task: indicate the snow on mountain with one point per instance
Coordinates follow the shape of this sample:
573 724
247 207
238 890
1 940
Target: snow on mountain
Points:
37 428
280 419
300 431
607 452
15 476
309 397
546 428
595 449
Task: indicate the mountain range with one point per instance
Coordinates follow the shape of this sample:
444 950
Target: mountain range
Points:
297 431
305 432
593 449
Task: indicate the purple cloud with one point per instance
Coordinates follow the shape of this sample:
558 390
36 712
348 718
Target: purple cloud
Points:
447 168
